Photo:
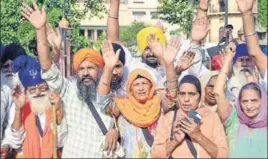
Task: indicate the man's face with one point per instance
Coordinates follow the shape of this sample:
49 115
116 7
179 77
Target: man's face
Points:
250 103
87 80
7 76
39 98
149 58
209 95
117 75
245 62
88 72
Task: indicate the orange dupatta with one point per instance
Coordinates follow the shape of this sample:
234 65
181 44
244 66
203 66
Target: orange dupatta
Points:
140 115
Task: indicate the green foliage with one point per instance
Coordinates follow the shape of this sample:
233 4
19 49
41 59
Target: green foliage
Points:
263 13
177 12
128 35
16 29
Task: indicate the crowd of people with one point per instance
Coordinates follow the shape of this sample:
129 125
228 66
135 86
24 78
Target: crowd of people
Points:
165 104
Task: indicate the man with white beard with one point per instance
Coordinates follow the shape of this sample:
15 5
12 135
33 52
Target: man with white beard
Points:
85 138
33 111
10 53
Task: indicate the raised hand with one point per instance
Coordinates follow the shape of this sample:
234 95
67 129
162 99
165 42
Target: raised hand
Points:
34 15
155 46
18 97
245 5
54 37
185 62
200 28
170 50
109 56
228 53
203 4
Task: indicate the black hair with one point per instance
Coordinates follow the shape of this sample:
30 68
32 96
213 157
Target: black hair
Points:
229 26
192 80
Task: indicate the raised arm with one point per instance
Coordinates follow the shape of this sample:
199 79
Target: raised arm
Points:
54 39
113 21
202 8
110 60
245 7
38 18
219 88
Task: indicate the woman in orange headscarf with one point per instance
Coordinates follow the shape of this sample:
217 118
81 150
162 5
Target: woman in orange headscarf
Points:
138 114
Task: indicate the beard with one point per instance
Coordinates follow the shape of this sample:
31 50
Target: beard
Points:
151 61
87 91
9 79
115 83
240 74
40 103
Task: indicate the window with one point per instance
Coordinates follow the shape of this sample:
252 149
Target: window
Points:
81 32
138 15
99 32
222 5
153 15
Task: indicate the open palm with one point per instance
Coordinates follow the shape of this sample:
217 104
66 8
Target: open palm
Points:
18 96
199 29
170 50
245 5
185 62
109 56
34 15
155 46
54 37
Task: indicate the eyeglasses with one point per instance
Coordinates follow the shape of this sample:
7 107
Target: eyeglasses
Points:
42 88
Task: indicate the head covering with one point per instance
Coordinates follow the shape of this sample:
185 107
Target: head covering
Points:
12 51
192 80
122 53
241 50
261 120
140 115
87 54
265 50
204 81
29 70
142 37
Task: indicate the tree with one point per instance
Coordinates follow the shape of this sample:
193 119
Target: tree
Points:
16 29
263 13
128 35
177 12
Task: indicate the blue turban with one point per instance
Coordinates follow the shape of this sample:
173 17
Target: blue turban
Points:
29 70
241 50
265 50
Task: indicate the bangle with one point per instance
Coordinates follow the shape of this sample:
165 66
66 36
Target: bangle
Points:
42 43
250 34
204 10
172 81
113 17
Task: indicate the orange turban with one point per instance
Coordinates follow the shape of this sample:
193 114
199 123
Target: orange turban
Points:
87 54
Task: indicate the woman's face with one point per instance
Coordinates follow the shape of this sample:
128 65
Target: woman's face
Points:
250 103
189 98
140 89
209 95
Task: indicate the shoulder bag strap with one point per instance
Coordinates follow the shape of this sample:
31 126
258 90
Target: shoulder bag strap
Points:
97 117
148 136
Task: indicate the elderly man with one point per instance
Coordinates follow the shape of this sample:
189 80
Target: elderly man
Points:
11 52
32 111
85 138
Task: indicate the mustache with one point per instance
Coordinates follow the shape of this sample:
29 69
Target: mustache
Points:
87 77
39 96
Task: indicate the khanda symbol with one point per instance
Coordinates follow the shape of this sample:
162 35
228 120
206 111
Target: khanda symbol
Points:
33 73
